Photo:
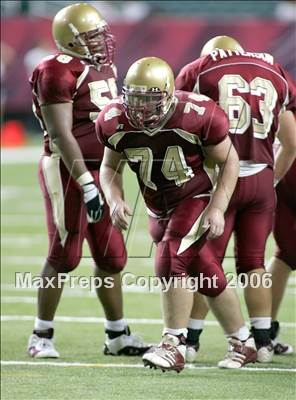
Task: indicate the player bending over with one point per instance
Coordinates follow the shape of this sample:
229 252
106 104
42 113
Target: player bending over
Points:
163 135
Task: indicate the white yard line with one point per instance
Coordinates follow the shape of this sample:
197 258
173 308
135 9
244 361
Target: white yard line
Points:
96 320
22 220
121 365
7 261
24 155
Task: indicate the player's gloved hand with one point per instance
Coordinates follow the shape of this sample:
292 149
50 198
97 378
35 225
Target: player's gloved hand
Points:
94 202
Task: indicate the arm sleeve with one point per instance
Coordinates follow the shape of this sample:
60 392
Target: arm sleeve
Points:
216 128
188 76
100 126
56 86
290 102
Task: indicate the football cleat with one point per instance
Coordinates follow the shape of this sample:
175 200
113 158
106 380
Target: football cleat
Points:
169 355
265 353
264 345
42 346
239 353
126 344
280 348
191 352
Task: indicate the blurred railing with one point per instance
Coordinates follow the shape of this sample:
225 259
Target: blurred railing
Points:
176 40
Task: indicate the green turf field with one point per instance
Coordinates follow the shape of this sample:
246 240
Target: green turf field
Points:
83 372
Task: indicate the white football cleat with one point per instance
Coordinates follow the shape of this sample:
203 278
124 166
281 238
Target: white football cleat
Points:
265 354
280 348
168 355
126 344
41 347
239 353
191 352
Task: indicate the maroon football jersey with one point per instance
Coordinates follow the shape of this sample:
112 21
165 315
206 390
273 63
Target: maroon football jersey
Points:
168 160
252 89
60 79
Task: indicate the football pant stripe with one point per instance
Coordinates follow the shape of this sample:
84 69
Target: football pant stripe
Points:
53 182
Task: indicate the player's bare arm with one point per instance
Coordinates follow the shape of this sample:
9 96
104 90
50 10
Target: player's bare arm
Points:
287 152
59 119
111 183
225 155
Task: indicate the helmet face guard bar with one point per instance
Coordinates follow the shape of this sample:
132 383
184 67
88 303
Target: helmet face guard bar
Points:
145 109
98 45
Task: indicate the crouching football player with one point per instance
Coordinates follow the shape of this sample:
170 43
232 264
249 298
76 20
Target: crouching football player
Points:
163 135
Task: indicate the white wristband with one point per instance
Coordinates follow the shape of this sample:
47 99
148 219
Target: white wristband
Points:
85 178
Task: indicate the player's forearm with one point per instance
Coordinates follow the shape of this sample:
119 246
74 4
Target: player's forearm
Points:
111 184
287 151
71 155
227 179
284 159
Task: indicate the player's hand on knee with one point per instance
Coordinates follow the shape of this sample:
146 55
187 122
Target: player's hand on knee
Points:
119 211
214 219
94 202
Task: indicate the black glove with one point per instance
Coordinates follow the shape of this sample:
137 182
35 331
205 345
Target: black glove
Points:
94 202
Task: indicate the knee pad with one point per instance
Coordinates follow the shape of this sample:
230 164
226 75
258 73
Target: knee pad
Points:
287 258
65 263
245 265
168 263
213 283
112 265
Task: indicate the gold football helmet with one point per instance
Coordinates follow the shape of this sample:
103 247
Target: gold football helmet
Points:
221 42
148 92
80 30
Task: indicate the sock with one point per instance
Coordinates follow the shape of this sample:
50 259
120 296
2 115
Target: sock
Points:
241 334
193 336
175 332
261 322
116 328
42 325
274 330
261 330
195 323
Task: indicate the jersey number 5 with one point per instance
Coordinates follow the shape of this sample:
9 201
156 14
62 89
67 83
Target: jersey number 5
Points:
96 89
239 111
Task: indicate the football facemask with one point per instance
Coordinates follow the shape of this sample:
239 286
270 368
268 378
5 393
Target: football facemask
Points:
148 92
145 109
98 45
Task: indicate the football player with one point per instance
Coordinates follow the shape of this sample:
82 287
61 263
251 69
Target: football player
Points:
163 135
284 231
252 89
69 90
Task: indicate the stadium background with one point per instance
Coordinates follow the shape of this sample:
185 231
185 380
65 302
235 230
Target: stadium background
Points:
176 32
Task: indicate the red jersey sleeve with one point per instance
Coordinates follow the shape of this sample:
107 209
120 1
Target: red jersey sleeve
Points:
216 126
290 102
187 77
107 123
55 84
